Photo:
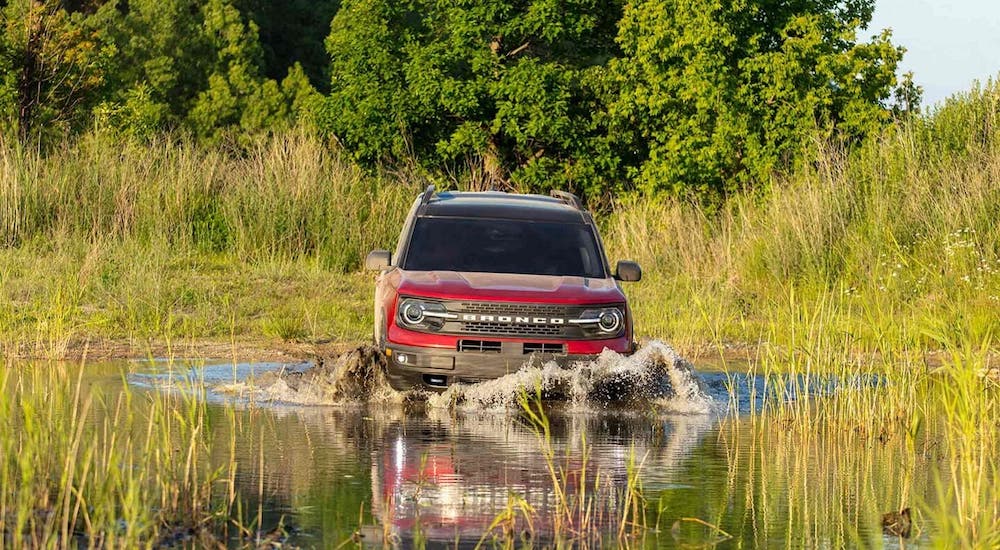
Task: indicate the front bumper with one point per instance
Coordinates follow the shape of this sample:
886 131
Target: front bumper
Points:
412 367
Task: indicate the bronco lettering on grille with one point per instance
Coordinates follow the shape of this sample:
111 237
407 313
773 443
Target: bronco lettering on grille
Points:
475 317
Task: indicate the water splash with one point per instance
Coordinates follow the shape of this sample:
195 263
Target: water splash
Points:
655 377
354 377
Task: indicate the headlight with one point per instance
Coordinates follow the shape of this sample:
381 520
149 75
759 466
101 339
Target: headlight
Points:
607 321
610 321
412 312
416 313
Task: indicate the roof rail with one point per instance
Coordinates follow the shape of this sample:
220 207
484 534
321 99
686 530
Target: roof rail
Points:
427 194
568 198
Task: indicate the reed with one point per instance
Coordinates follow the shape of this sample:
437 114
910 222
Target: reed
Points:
837 439
893 235
82 468
278 198
588 504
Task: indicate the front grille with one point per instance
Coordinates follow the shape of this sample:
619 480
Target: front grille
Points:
515 330
541 347
481 346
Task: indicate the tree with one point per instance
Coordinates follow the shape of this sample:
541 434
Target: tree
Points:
195 65
509 87
292 31
236 96
714 95
51 63
162 66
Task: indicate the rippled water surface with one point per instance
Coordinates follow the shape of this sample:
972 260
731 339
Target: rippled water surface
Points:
416 473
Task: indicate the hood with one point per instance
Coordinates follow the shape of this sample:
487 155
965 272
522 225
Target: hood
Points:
504 287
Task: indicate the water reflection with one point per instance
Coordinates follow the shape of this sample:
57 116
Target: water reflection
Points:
452 477
430 477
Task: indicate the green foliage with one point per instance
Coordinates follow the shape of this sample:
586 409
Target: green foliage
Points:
369 105
195 67
964 125
678 96
236 95
52 63
702 96
304 101
162 64
718 94
506 87
292 32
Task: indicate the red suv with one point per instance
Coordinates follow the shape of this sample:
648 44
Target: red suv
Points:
482 283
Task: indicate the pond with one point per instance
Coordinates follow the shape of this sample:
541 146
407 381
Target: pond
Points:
456 473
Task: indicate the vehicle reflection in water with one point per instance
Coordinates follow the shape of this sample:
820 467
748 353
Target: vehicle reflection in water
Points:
431 476
450 478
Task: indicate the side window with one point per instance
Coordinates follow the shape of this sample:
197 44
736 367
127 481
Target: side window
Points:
404 235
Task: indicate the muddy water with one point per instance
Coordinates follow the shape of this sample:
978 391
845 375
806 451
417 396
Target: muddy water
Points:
332 460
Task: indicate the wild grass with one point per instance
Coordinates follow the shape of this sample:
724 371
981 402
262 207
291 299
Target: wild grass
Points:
587 505
840 439
281 198
119 239
898 237
53 303
115 240
851 268
79 467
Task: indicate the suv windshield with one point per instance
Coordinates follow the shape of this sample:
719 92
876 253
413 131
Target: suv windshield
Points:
504 246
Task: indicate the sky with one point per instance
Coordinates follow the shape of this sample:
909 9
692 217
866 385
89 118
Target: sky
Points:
949 43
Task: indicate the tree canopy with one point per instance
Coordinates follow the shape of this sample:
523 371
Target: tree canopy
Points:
663 96
717 94
508 89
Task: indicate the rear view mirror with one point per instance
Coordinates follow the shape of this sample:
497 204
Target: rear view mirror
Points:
378 260
628 271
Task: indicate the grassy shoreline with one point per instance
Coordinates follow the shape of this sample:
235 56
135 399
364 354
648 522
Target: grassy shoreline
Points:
111 304
891 247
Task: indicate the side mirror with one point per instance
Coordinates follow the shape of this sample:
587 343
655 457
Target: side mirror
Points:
628 271
378 260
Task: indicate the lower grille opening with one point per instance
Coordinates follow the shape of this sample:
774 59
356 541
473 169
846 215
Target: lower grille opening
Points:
479 346
530 348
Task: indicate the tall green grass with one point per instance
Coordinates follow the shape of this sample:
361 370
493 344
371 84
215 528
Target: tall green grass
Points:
280 198
890 433
79 468
897 238
890 241
104 239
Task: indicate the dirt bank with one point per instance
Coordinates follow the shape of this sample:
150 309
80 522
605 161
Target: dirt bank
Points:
240 349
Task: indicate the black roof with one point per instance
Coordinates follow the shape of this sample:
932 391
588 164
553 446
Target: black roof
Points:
496 204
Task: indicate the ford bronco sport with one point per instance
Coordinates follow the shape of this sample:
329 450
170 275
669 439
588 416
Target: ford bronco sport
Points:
483 282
